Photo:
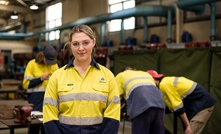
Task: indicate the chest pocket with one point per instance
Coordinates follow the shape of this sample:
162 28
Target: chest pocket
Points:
65 88
100 89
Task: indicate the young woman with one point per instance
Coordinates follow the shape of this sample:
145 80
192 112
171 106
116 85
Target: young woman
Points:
81 97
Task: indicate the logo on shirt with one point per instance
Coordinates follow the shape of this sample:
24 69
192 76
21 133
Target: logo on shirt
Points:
70 84
102 80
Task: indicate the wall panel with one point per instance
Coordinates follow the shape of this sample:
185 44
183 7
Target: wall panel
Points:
142 60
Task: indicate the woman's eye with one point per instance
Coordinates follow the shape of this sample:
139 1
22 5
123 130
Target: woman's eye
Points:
75 44
85 43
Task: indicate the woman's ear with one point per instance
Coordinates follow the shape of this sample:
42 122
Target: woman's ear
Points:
94 42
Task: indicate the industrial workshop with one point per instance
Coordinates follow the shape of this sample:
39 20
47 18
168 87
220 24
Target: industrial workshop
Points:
83 66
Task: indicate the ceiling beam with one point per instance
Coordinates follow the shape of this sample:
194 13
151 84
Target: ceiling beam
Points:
12 8
23 3
11 27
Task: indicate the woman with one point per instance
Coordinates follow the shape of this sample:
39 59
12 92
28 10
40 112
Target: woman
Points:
82 97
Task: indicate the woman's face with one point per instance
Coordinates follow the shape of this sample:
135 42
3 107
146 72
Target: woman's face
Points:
82 46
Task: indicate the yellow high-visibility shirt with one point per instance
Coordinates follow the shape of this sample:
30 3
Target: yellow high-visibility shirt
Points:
130 79
34 70
76 100
175 89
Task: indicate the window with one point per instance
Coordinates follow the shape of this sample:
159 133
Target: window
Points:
117 5
53 19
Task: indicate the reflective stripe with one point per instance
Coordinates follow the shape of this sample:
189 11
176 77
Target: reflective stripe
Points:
28 78
137 85
81 120
175 81
31 90
189 91
83 96
114 100
177 107
51 101
136 78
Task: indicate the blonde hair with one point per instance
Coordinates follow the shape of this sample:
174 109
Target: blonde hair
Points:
82 28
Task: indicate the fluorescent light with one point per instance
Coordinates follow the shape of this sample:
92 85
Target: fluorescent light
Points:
14 16
34 7
4 2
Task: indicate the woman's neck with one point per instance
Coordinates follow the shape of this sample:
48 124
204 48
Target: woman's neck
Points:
82 66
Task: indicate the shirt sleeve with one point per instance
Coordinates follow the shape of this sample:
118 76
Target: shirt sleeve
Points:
109 126
119 84
171 97
50 108
111 120
34 82
27 75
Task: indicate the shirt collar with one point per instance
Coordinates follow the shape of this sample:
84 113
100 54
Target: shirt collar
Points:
93 63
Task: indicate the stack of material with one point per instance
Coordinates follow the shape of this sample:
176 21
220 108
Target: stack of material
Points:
7 108
6 111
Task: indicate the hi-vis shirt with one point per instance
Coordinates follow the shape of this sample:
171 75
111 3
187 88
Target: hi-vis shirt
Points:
175 89
81 105
140 91
34 70
32 83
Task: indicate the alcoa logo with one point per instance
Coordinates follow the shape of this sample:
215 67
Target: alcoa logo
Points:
102 80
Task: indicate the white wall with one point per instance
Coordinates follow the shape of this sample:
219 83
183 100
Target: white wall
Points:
16 46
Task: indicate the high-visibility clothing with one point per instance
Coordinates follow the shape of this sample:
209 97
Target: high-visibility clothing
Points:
32 83
140 91
175 89
79 105
184 95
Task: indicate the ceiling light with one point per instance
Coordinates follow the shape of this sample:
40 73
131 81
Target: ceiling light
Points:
33 7
4 2
14 15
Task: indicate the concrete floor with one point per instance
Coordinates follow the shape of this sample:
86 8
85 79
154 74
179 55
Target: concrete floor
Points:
127 129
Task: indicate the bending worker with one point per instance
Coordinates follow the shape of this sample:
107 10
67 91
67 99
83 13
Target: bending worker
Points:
144 101
187 99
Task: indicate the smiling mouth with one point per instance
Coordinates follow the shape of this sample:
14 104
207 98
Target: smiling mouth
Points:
81 53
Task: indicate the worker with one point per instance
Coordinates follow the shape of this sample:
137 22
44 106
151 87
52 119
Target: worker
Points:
82 96
186 99
144 101
37 73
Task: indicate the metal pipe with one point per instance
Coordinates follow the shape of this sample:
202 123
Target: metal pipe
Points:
122 32
147 10
145 35
187 4
39 41
169 26
102 28
212 21
182 4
